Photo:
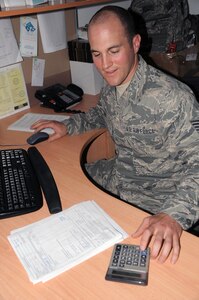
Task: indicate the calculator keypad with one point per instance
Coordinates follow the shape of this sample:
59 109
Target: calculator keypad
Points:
129 256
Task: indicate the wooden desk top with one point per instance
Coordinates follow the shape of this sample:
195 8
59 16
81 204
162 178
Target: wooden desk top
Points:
86 281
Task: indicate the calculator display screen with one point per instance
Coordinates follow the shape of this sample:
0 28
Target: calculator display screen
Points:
126 274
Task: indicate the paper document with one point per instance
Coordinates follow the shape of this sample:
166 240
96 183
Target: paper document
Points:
55 244
53 31
9 51
28 36
13 93
38 68
25 122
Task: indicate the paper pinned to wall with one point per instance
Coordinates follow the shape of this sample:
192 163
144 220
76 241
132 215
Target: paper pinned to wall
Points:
9 51
38 66
28 36
13 93
53 31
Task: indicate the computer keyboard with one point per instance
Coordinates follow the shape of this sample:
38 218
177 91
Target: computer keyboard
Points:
20 191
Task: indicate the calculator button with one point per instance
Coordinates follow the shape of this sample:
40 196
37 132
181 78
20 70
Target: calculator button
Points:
118 247
142 264
114 264
122 261
121 265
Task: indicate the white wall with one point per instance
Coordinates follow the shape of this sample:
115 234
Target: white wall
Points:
85 14
193 7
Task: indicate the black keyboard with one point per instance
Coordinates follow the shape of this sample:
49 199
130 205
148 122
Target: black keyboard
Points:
24 175
20 190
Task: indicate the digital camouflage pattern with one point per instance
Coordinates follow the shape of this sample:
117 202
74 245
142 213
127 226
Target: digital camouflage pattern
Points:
156 166
165 21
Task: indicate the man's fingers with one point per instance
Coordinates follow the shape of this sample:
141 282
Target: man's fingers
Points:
145 239
157 245
165 233
54 137
143 226
39 122
166 249
58 127
176 249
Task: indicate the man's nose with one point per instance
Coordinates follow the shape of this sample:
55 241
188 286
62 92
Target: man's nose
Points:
106 62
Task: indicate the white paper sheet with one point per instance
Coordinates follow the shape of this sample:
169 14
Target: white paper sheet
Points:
25 122
38 67
57 243
53 31
28 36
9 51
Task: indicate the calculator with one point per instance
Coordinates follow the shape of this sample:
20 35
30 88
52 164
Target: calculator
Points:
129 264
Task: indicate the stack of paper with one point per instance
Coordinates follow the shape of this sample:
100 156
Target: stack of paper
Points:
57 243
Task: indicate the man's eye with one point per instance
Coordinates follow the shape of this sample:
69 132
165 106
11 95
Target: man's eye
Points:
114 51
95 54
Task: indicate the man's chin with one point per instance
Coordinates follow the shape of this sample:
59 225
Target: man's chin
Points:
111 82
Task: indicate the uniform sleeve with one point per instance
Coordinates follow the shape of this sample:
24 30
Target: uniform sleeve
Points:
83 122
183 144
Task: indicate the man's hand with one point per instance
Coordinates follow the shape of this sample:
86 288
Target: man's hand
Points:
166 233
58 127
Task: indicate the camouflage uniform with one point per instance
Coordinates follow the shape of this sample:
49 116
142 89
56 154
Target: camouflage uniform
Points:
156 166
165 21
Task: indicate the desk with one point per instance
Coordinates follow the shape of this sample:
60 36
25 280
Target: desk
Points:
177 64
86 281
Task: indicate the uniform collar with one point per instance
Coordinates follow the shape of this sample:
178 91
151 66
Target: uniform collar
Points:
137 82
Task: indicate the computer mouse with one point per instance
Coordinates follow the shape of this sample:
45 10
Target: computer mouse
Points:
37 137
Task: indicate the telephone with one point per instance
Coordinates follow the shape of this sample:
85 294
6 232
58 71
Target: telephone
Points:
59 97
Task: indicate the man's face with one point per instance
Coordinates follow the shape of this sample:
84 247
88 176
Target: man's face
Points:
112 54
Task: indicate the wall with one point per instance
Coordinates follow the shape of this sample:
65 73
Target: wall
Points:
57 67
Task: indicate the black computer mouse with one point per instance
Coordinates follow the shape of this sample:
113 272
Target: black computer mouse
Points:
37 137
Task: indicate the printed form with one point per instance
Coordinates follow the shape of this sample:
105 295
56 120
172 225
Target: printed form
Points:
57 243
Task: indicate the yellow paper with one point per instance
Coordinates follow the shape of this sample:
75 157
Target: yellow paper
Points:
13 93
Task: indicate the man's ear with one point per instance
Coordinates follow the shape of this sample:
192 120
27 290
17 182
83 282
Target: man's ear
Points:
136 43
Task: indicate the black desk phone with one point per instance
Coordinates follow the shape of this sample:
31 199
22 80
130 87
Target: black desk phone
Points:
59 97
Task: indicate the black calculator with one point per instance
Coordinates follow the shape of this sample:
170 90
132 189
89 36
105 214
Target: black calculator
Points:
129 264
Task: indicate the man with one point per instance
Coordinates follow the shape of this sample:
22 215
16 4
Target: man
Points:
148 115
